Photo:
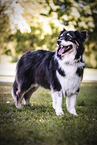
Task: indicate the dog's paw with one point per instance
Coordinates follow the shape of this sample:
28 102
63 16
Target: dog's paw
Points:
73 111
59 111
54 106
18 106
26 102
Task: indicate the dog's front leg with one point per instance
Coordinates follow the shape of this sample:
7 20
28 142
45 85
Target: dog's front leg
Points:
70 103
57 101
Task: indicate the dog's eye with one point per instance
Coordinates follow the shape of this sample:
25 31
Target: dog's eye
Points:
68 37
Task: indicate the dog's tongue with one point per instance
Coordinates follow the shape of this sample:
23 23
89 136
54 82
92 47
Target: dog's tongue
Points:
61 51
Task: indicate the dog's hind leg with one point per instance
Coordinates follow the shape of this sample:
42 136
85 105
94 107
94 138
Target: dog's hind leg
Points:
17 94
19 99
13 91
28 94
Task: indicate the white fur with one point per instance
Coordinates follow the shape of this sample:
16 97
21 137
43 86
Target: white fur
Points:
66 43
70 103
69 56
57 101
13 95
26 102
71 82
15 99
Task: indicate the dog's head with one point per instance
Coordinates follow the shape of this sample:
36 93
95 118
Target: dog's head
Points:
71 42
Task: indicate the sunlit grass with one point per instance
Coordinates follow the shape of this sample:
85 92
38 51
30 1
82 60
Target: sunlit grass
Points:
37 123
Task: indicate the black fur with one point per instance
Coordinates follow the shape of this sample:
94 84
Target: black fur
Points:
78 90
41 68
61 72
79 71
37 67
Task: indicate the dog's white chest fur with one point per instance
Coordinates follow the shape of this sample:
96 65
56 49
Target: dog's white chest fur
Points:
71 82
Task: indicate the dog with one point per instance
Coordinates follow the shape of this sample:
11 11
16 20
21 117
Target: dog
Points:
60 71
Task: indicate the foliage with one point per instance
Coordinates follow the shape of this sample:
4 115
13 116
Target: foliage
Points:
37 124
4 27
36 24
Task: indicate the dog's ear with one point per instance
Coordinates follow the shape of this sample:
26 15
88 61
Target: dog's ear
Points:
84 35
81 34
61 33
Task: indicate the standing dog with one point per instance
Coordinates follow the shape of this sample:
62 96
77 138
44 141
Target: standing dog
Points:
59 71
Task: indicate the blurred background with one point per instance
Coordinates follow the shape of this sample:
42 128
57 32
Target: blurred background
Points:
35 24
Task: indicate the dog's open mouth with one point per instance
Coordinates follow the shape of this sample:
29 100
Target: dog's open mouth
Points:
64 49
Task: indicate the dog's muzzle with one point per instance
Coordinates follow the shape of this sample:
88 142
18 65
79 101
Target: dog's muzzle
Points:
64 49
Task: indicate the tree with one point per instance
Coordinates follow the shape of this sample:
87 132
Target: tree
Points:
36 24
4 26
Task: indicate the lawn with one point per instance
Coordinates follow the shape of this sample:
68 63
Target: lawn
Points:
37 123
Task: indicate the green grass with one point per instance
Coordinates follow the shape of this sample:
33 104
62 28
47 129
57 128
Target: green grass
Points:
37 123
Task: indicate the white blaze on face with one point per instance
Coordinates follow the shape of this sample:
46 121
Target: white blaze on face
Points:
66 43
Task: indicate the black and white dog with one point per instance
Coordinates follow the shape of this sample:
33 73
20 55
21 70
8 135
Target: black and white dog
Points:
59 71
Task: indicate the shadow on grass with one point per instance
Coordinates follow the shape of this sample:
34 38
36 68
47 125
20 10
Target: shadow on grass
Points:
35 109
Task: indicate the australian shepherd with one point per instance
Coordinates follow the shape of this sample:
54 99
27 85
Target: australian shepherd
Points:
60 71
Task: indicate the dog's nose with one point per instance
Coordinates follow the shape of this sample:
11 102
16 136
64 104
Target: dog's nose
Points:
58 41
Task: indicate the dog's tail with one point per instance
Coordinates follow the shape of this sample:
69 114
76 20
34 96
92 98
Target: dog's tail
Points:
14 90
